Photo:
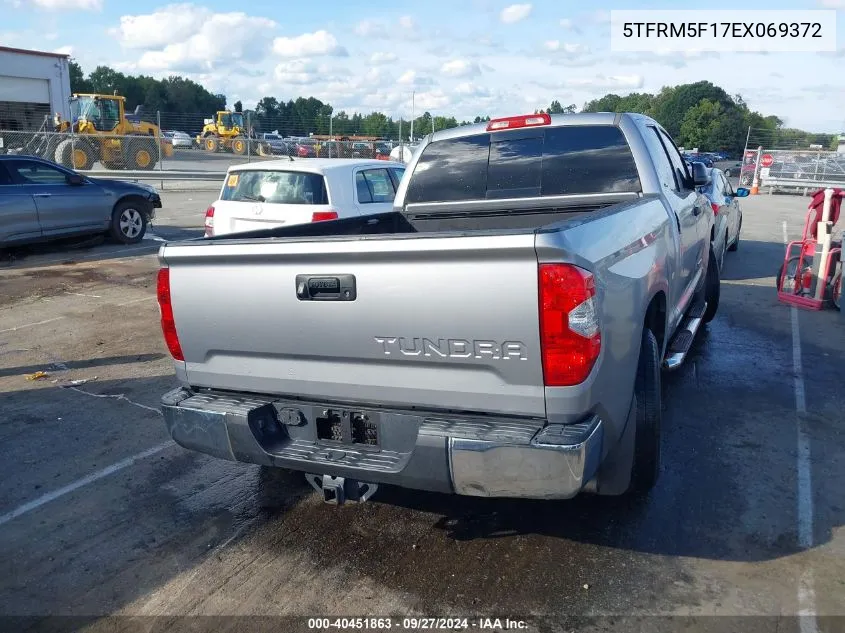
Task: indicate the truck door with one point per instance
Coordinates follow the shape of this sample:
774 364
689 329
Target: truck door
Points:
686 203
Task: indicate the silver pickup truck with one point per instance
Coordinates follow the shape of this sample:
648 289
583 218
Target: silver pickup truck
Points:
500 333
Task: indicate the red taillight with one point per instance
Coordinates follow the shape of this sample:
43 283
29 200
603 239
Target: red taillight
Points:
168 324
715 208
322 216
209 222
524 120
570 338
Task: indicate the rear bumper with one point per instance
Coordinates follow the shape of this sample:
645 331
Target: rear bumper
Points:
476 456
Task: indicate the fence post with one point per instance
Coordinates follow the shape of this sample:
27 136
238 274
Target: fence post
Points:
158 145
248 136
331 138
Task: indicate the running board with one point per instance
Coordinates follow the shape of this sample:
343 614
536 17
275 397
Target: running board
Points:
680 345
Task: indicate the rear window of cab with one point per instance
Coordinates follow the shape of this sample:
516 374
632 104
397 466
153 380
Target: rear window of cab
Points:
275 187
522 163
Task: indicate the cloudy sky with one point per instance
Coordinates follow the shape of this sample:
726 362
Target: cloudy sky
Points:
461 58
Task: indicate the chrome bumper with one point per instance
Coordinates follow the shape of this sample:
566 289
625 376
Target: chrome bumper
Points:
475 456
555 464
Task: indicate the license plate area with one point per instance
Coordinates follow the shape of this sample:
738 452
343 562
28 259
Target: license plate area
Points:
348 426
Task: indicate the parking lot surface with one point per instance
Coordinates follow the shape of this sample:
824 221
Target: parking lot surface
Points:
100 514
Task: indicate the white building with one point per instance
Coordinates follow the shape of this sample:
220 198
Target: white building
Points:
33 84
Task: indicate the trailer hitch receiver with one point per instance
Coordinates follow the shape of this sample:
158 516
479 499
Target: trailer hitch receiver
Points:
339 490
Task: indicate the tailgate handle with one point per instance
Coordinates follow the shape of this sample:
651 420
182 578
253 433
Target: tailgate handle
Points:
325 288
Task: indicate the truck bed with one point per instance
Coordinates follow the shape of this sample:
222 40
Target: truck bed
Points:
460 298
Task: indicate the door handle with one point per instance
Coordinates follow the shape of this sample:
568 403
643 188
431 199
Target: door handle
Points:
42 195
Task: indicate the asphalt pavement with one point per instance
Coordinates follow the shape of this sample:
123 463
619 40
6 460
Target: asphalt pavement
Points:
102 516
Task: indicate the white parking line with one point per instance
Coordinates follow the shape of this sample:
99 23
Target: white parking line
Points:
806 589
129 303
79 483
26 325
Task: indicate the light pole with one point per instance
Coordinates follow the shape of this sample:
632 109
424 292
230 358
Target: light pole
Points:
411 140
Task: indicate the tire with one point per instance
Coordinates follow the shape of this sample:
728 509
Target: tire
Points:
836 292
74 154
128 222
787 273
648 393
140 153
239 146
735 246
210 144
712 288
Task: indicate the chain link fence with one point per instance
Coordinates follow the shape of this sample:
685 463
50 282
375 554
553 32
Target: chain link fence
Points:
780 160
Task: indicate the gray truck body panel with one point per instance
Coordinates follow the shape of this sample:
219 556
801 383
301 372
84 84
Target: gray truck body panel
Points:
441 344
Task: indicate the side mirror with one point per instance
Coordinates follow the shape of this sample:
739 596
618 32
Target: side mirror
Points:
742 192
75 179
700 175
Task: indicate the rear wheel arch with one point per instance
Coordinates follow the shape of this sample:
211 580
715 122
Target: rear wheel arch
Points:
655 318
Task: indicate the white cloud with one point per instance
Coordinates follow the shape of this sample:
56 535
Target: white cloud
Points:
407 22
317 43
64 50
832 4
471 90
600 82
371 28
160 28
222 39
566 23
515 13
432 100
297 71
65 5
460 68
383 58
413 78
557 45
189 38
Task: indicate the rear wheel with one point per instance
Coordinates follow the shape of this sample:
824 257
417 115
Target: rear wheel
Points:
129 222
712 288
647 391
836 291
735 245
210 144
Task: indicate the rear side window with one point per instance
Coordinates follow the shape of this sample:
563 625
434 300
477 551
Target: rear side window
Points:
525 163
275 187
374 185
451 170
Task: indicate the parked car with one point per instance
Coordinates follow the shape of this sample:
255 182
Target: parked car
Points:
179 139
727 213
501 333
276 144
306 148
285 193
41 201
361 149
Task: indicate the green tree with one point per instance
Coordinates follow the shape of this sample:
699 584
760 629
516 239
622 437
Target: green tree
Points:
239 107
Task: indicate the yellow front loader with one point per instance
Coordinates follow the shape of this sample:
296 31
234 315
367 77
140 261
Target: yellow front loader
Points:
226 132
102 131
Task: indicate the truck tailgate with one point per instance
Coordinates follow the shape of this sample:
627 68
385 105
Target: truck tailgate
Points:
436 322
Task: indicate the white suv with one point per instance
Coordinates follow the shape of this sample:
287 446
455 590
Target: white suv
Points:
287 192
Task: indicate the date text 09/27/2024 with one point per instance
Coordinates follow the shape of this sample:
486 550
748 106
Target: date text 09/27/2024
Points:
418 624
